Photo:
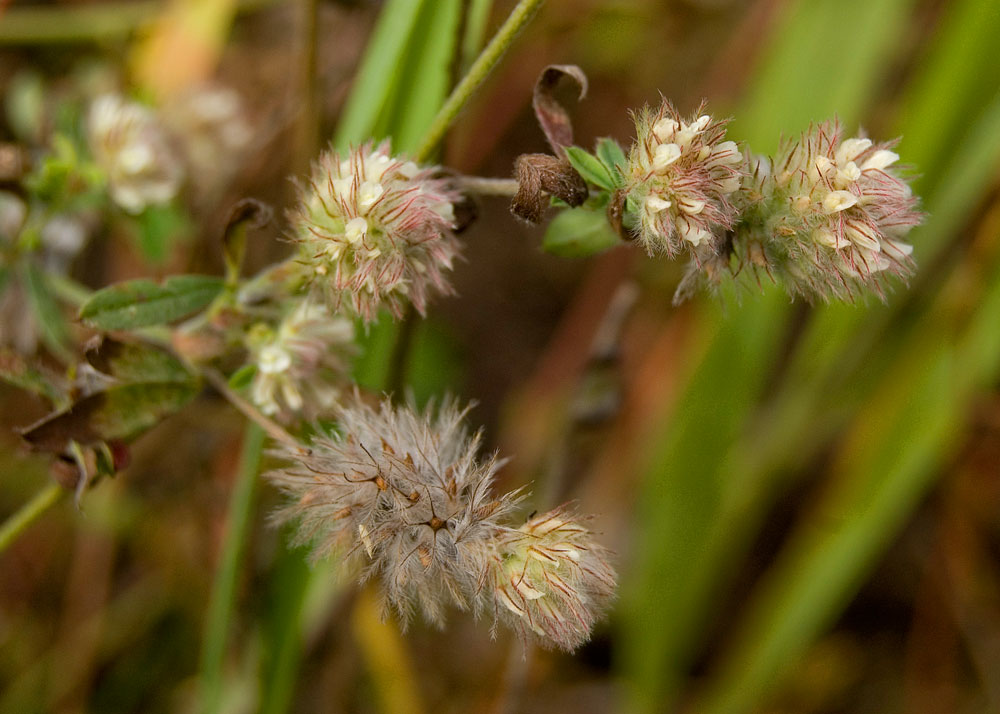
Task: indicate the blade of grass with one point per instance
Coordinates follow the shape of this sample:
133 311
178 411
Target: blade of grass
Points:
221 603
19 521
381 66
477 14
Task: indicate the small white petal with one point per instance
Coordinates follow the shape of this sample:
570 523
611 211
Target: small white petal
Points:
664 129
692 206
850 149
655 204
880 160
839 201
664 155
356 229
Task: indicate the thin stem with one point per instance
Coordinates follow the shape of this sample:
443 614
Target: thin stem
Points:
477 74
220 608
487 186
29 513
395 381
272 428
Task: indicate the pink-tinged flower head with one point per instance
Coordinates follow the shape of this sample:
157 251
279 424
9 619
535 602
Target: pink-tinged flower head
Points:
375 230
129 144
680 177
829 215
301 364
550 581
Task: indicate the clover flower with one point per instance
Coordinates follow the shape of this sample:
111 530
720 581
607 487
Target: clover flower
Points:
375 231
300 363
550 581
827 217
406 494
680 175
129 144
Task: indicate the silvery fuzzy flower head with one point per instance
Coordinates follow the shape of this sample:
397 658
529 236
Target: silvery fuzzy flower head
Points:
404 493
301 362
828 216
549 580
680 176
129 144
375 230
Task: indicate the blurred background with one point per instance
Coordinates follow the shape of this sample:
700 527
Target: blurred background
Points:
804 501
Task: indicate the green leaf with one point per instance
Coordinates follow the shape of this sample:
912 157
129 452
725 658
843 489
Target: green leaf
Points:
241 378
613 157
118 413
142 303
133 362
591 168
47 313
578 233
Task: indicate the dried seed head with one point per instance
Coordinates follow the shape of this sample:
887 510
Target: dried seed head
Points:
404 493
549 580
680 176
300 364
129 144
375 231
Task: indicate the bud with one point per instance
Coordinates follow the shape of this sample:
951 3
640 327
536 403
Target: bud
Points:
375 231
550 581
129 145
680 176
300 362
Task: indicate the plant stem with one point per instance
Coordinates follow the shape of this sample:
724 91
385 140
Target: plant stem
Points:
477 74
487 186
272 428
220 608
29 513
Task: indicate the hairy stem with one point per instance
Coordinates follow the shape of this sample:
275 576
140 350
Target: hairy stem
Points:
477 74
271 428
29 513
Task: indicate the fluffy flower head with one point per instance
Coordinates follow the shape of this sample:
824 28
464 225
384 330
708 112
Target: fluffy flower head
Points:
832 214
375 230
130 145
680 176
406 494
300 363
550 581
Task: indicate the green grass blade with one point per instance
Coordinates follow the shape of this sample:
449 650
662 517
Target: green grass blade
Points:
221 605
380 70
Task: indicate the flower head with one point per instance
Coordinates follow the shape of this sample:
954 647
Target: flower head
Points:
828 216
129 144
550 581
406 494
680 176
300 362
375 230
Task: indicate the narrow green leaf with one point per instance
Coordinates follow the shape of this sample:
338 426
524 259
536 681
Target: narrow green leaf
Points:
590 167
578 233
142 303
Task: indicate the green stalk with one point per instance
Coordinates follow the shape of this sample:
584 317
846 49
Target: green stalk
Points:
220 609
29 513
477 74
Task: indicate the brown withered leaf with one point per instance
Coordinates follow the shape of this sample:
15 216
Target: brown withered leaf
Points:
552 117
540 176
